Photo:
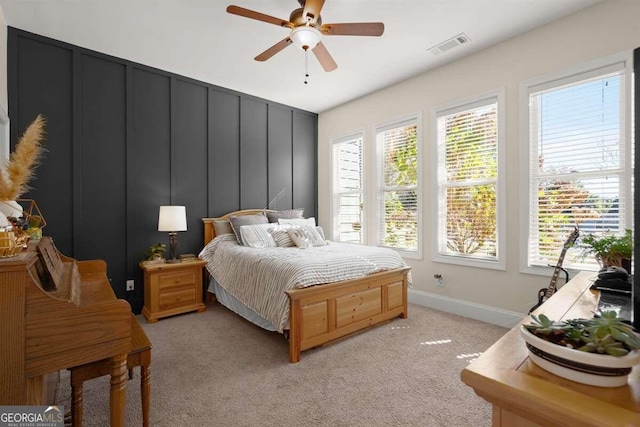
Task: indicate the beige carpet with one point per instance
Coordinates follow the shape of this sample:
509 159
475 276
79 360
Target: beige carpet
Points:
216 369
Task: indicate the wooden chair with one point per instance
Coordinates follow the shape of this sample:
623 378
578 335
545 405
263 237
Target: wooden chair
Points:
139 355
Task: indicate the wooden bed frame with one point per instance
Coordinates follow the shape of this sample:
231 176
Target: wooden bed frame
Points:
320 314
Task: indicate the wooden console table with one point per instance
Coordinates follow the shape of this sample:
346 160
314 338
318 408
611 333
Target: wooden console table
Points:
524 395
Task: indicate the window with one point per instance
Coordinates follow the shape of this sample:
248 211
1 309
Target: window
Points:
347 189
469 220
579 165
399 214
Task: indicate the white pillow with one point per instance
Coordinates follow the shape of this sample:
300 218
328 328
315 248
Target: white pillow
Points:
298 221
258 236
306 236
300 237
317 238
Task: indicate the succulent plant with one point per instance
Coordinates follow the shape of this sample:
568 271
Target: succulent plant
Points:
545 326
600 343
606 334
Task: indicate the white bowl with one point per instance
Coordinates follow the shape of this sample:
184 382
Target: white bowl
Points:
600 370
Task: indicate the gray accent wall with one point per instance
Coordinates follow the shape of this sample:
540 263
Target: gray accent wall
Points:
124 138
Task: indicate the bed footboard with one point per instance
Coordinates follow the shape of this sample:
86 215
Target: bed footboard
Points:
320 314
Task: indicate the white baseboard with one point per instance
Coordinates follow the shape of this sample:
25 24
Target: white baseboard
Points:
496 316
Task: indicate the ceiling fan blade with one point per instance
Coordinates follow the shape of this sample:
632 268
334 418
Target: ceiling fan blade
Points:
241 11
353 29
273 49
324 58
312 8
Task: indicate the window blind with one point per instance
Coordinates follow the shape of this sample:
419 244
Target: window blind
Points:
399 189
467 172
577 162
348 190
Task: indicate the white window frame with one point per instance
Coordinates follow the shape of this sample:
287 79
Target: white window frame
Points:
438 226
334 223
378 212
554 80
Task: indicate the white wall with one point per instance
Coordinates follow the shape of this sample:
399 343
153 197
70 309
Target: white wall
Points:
4 102
4 99
601 30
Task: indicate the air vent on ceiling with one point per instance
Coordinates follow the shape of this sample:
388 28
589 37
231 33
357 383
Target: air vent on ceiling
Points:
461 38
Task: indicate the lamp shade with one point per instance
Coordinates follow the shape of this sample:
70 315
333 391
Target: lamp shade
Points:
305 37
172 218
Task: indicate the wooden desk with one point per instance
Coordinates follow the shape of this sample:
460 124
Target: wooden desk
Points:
525 395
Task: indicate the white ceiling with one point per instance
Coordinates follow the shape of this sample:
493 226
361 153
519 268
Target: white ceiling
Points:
198 39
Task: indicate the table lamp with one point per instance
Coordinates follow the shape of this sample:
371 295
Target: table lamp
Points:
172 219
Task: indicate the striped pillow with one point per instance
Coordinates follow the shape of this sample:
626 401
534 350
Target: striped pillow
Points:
281 237
257 236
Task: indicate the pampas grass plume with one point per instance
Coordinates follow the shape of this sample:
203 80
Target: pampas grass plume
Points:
19 170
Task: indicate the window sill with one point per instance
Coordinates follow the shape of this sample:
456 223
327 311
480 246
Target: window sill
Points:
470 262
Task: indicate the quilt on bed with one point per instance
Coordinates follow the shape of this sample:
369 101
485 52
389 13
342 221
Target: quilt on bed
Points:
260 277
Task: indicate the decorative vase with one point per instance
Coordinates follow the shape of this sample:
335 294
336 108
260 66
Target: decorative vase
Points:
601 370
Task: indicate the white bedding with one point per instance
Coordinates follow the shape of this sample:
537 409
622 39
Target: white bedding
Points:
259 277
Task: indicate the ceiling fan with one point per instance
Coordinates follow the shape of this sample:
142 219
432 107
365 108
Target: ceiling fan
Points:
307 29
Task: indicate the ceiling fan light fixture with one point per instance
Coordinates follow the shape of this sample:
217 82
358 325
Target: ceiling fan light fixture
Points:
305 37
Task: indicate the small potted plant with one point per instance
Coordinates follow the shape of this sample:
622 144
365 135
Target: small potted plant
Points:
609 249
600 351
155 253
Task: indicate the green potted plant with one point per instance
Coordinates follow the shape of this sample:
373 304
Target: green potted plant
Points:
609 249
600 351
606 334
155 253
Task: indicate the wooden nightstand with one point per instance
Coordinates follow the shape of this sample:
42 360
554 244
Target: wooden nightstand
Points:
172 289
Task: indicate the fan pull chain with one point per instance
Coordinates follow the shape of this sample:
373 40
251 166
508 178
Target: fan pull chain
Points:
306 65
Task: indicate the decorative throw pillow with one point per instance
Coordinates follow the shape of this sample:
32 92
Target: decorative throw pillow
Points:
300 237
281 237
240 220
291 213
314 235
321 232
222 227
258 236
298 221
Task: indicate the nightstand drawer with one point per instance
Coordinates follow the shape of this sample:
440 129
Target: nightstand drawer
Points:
178 298
170 280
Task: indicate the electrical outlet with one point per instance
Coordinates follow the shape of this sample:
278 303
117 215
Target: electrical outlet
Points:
130 285
439 280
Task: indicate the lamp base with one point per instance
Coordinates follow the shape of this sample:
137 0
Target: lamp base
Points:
173 261
173 245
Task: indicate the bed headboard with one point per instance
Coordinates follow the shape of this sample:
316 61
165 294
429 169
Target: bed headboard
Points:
210 232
